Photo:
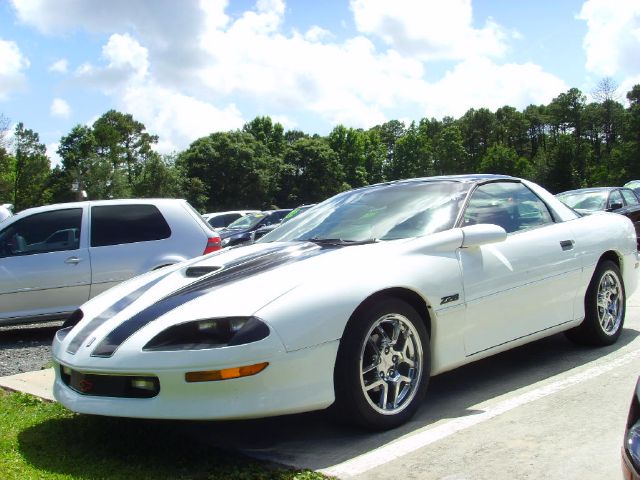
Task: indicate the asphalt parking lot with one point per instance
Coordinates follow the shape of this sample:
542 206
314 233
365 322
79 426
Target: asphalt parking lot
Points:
547 410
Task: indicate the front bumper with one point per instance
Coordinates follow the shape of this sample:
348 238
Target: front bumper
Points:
293 382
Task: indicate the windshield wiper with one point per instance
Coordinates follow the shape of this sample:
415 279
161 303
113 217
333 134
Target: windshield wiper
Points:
340 241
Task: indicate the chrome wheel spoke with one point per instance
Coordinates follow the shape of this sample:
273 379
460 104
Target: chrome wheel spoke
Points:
390 363
609 303
373 345
383 396
369 368
375 384
383 335
395 390
395 334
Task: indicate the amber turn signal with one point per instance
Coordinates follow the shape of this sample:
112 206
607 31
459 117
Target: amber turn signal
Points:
226 374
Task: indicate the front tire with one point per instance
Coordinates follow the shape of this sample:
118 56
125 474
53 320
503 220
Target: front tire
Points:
605 308
383 365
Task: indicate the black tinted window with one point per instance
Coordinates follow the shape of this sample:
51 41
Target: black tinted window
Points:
222 221
43 232
116 224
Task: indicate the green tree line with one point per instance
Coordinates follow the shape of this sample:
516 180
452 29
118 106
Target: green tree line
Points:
566 144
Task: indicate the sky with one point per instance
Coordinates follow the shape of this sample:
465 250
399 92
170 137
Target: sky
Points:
187 68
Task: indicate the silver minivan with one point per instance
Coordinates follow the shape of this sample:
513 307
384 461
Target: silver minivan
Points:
54 258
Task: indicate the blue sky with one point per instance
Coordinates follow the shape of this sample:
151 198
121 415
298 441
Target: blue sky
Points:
188 68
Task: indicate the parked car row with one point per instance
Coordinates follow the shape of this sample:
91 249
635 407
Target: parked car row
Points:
622 200
240 232
219 220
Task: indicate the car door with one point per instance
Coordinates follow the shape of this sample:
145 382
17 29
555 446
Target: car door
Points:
44 264
525 284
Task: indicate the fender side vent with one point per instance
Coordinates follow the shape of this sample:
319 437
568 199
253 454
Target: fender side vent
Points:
194 272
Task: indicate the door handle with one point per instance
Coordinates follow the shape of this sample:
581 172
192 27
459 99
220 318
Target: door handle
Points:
567 244
73 260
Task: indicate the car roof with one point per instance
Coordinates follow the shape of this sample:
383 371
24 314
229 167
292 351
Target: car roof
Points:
120 201
467 178
211 214
591 189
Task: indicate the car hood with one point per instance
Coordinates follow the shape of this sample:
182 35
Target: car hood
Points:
233 282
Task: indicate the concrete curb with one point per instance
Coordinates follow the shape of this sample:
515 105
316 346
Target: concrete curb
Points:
38 383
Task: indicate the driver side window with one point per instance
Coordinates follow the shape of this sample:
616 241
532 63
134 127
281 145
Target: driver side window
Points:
508 204
42 232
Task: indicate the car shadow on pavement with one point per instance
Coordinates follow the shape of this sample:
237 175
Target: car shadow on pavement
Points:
314 441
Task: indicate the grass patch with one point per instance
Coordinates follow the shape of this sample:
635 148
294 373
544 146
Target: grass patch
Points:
42 440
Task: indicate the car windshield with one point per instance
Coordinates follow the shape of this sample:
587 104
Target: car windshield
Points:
591 201
247 221
383 212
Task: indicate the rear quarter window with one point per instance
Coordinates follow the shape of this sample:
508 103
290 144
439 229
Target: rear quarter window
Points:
119 224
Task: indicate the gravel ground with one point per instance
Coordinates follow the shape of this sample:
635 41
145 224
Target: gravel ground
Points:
24 348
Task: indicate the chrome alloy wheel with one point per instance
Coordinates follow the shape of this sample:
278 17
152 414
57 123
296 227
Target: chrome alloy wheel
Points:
391 364
610 303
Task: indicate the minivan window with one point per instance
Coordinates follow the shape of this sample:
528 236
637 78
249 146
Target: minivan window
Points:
118 224
52 231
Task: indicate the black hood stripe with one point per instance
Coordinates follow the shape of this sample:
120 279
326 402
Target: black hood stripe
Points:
113 310
241 268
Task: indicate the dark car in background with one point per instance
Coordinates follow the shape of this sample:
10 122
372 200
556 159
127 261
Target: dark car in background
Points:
607 199
633 185
239 232
631 447
262 231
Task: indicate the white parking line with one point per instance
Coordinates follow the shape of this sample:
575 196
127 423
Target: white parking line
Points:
402 447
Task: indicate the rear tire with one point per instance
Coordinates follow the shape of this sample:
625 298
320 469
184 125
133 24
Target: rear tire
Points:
604 306
383 365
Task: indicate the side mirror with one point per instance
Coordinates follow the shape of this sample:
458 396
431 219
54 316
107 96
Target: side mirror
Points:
482 234
614 206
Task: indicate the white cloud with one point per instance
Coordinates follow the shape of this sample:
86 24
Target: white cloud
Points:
429 29
60 108
612 41
52 153
347 82
12 67
317 34
176 118
183 83
493 86
126 59
59 66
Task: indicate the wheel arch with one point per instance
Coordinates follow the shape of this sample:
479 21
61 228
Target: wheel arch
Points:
407 295
612 256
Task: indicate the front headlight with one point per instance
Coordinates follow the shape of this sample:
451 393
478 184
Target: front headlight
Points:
209 333
225 242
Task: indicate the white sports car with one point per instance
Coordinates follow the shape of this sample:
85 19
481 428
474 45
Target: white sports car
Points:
354 304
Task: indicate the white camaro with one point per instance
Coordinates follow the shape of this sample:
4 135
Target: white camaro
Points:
354 304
